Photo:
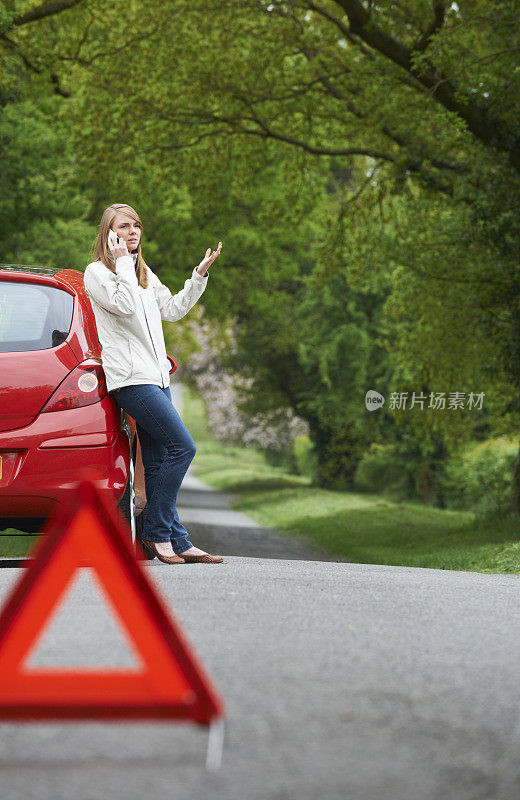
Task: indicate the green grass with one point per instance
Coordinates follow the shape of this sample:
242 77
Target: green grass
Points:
14 545
363 528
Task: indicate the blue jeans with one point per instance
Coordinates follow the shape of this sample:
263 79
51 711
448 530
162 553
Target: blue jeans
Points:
167 449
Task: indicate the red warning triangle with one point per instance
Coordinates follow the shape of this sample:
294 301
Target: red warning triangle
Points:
171 684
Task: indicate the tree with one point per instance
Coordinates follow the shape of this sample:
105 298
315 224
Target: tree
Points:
417 102
42 206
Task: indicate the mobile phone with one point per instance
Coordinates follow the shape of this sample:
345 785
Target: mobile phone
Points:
113 238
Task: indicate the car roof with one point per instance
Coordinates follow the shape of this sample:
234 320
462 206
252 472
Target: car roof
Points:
70 279
31 268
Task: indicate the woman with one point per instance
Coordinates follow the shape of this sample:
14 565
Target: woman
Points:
129 302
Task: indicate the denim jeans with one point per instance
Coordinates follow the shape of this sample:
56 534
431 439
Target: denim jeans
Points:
167 449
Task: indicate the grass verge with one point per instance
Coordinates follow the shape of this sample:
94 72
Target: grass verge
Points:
14 544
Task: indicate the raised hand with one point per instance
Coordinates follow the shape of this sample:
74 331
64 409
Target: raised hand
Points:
208 259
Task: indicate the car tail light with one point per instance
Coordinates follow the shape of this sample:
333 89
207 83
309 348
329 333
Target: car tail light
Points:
82 387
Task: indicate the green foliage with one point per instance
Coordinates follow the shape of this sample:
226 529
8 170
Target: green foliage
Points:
42 208
380 470
6 20
480 478
304 457
407 469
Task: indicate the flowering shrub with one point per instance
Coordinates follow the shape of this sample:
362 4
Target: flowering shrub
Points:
272 432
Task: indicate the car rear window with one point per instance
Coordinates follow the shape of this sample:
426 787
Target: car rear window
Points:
33 316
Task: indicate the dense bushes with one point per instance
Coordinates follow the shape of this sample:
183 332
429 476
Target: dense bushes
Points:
479 479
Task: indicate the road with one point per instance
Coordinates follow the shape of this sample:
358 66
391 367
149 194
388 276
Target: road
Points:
341 681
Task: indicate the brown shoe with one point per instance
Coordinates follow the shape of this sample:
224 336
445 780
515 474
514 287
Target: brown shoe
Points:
166 559
205 559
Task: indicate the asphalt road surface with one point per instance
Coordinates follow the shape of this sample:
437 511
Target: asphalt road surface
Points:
341 681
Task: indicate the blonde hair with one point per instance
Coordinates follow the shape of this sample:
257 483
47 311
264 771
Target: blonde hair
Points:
100 251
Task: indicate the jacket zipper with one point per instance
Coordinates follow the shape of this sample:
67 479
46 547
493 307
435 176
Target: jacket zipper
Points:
151 337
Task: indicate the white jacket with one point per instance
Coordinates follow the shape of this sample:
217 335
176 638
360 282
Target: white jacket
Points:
128 320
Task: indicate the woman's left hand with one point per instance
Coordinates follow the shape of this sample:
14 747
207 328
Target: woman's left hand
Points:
208 259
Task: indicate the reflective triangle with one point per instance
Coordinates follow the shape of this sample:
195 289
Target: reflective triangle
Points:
171 683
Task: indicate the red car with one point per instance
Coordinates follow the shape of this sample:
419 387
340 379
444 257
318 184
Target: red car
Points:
55 414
